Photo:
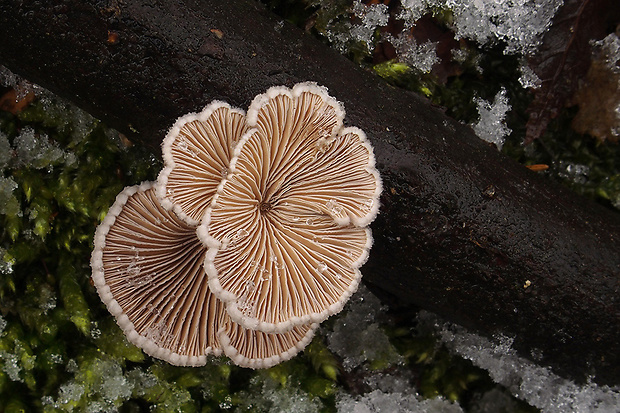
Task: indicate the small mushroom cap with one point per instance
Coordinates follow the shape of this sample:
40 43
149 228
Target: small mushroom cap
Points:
286 230
148 270
197 152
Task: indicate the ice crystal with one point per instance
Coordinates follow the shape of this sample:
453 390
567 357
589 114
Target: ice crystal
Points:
289 400
491 126
98 386
372 16
412 10
520 24
70 392
419 56
47 299
141 381
577 173
528 79
57 358
343 33
112 384
75 121
6 262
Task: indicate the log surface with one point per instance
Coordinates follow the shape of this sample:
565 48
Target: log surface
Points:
463 231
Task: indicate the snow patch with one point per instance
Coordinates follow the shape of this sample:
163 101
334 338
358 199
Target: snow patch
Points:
537 385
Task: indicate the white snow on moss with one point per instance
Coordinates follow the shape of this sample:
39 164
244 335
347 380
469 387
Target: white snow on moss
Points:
10 365
37 151
419 56
356 335
8 202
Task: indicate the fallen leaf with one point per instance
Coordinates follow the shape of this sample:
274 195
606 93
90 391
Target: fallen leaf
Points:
564 58
9 102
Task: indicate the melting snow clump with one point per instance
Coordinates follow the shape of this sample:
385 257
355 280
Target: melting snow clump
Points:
518 23
491 126
535 384
357 337
379 402
372 16
37 151
267 395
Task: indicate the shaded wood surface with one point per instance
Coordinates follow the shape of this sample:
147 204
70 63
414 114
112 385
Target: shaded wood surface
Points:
462 229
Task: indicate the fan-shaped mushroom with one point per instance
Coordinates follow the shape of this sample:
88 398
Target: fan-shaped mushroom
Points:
286 230
148 270
197 152
284 216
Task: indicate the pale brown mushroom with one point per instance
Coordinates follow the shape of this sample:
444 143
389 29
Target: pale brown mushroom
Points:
197 152
286 230
148 270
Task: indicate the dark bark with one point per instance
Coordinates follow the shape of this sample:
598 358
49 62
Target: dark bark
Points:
462 229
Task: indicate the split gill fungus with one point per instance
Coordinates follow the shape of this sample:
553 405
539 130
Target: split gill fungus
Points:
254 232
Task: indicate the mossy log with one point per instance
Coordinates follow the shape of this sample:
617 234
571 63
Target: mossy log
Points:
463 231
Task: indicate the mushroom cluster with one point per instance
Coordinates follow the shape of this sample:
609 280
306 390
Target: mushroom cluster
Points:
252 235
